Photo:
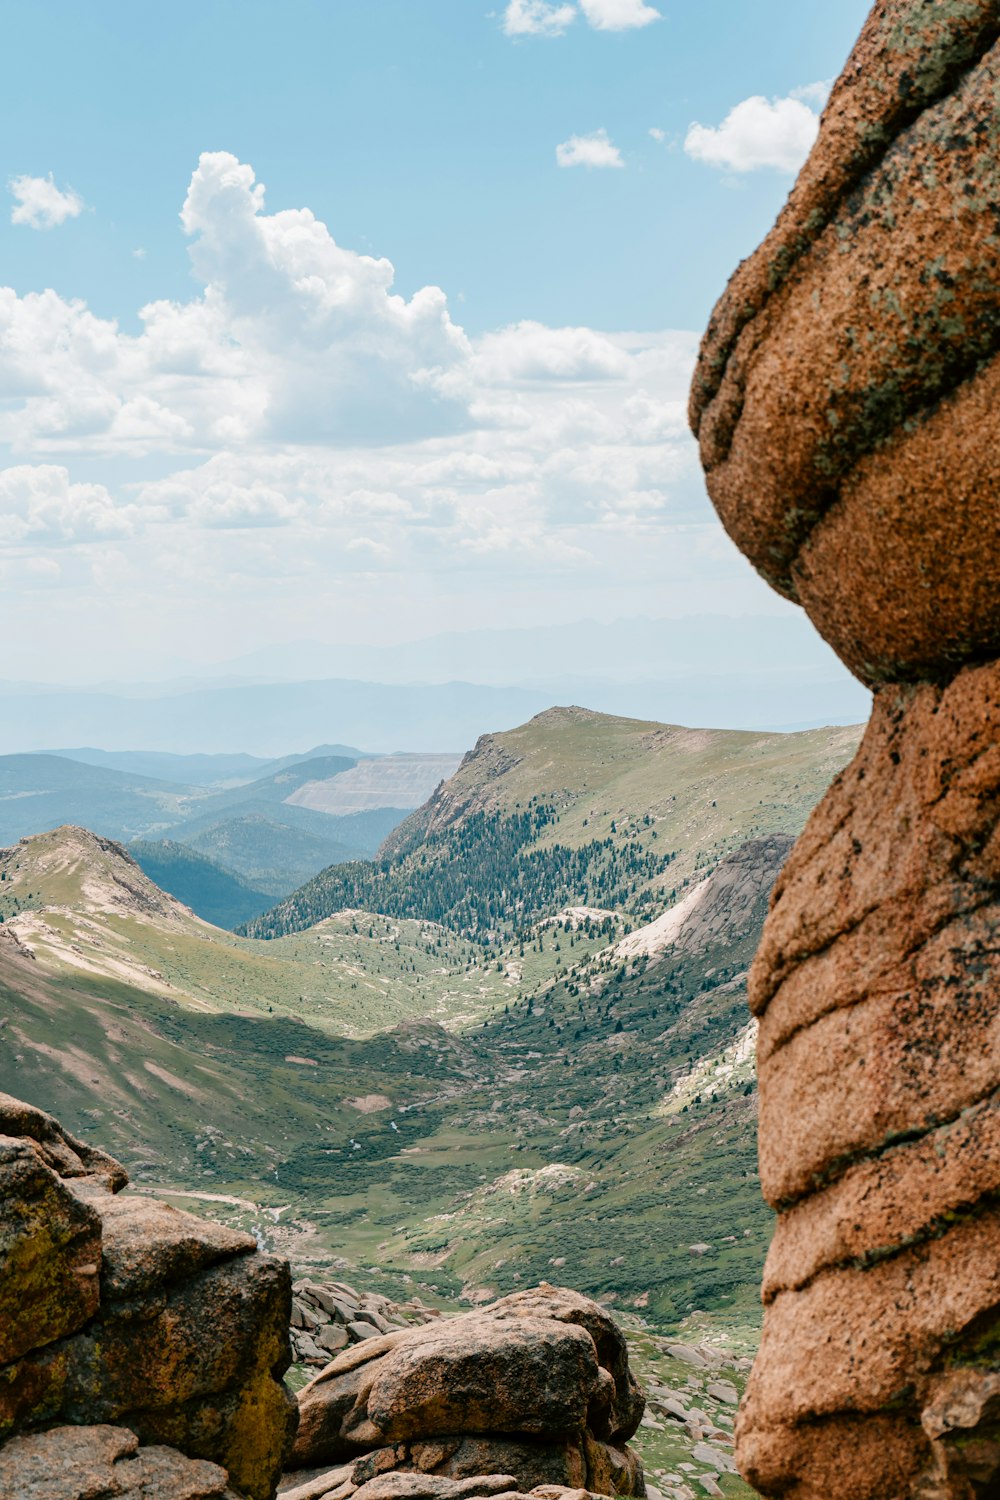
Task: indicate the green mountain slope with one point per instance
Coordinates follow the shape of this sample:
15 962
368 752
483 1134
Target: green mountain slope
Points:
79 905
572 1099
272 848
594 1113
210 890
577 808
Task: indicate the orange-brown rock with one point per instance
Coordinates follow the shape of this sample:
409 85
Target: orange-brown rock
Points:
537 1386
846 402
118 1313
858 347
91 1463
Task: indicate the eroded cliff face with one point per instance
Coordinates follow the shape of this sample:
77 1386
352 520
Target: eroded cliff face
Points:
846 404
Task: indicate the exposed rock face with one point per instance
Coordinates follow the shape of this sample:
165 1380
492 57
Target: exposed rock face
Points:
846 405
119 1310
94 1462
721 908
536 1386
849 372
329 1315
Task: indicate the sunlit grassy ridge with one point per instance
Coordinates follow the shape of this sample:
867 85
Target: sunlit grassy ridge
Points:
577 806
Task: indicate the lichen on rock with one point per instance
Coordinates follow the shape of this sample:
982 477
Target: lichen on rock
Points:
846 405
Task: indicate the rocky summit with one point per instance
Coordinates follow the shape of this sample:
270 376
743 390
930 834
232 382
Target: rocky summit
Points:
142 1352
843 393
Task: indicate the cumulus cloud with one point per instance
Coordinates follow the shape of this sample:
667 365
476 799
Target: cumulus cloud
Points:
297 422
38 502
757 133
39 204
537 18
594 150
531 351
618 15
545 18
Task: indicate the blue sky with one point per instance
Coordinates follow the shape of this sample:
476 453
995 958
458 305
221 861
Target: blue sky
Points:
284 451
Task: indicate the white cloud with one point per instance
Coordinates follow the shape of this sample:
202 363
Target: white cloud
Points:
40 204
618 15
38 502
594 150
297 425
531 351
537 18
657 134
758 132
815 94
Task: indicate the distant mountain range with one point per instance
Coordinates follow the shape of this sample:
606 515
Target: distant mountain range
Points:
441 692
250 838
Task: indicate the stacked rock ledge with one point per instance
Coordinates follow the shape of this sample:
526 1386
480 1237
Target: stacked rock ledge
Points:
136 1323
534 1390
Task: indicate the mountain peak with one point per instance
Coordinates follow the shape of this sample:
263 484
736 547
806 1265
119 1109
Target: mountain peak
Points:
72 867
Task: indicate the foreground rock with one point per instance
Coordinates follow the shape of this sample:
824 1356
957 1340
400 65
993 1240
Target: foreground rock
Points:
849 374
416 1486
534 1390
846 405
93 1462
117 1312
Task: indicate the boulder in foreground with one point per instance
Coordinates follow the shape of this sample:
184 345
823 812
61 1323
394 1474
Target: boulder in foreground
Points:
536 1386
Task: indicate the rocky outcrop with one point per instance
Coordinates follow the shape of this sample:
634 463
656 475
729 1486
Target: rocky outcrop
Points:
850 371
535 1390
327 1316
845 404
98 1462
721 909
135 1321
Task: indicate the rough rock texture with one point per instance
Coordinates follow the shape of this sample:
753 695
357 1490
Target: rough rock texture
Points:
94 1462
415 1486
116 1309
536 1386
855 353
329 1315
846 403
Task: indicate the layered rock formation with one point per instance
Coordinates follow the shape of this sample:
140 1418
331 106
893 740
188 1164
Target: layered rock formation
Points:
327 1316
845 403
534 1390
136 1322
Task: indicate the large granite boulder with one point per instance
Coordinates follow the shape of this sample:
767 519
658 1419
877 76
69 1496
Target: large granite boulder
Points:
537 1386
849 373
97 1462
118 1310
846 405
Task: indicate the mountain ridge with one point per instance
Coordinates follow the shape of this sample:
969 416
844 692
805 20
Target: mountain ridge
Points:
573 802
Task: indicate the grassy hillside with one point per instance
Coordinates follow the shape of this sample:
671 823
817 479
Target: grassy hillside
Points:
82 906
572 1100
577 807
589 1110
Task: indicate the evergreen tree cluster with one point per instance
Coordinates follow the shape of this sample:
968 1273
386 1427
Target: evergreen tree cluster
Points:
485 877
